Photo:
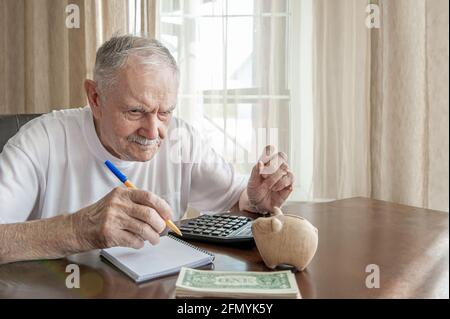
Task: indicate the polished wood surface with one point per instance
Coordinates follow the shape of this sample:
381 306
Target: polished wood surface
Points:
410 246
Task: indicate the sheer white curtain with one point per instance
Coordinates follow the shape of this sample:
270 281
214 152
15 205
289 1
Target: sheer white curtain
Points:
330 107
142 17
360 112
234 82
263 71
301 90
341 64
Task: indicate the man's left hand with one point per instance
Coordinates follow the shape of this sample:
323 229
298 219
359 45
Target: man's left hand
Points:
271 181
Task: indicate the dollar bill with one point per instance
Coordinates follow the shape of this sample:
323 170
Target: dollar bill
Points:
208 283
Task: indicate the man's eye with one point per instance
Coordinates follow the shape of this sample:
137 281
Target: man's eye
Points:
164 115
134 114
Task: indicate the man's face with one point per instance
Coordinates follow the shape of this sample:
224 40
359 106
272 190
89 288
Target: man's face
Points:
133 116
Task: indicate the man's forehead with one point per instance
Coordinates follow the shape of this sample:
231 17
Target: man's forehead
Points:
148 85
150 98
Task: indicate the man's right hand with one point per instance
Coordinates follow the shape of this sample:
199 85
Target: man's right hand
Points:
124 217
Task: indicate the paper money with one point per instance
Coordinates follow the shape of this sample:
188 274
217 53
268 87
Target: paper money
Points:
228 284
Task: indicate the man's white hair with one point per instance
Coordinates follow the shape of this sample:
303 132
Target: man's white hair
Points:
113 55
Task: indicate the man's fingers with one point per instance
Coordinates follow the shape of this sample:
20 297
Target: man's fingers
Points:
127 239
274 178
267 154
280 197
255 175
284 193
285 181
151 200
277 160
140 229
147 215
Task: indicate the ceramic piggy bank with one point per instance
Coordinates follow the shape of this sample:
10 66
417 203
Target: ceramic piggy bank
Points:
285 240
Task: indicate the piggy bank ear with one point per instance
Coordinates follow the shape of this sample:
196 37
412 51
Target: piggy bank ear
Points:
262 225
277 225
277 211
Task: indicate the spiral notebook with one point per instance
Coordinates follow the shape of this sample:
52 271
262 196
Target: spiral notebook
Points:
163 259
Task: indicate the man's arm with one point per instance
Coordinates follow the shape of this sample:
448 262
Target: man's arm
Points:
41 239
123 217
19 188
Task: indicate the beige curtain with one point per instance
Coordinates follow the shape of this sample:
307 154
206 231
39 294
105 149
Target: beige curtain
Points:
341 108
410 105
380 102
42 62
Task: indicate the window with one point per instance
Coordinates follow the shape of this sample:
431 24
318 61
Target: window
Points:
233 59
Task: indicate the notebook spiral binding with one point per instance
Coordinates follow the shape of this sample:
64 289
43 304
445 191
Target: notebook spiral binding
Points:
192 246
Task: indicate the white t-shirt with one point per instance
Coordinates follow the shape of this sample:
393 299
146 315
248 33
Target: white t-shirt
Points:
55 164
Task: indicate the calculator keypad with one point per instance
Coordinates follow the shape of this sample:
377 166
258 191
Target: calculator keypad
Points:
218 226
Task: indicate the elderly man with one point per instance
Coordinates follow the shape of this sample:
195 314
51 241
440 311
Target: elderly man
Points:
58 198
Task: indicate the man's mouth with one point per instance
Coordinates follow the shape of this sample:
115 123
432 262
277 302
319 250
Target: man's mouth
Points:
146 146
144 142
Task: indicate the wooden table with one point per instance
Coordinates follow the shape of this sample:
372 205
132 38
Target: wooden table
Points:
409 245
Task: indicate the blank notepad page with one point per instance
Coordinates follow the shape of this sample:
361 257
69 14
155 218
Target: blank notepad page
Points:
155 261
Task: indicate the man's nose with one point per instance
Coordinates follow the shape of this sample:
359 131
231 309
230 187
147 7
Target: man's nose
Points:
150 126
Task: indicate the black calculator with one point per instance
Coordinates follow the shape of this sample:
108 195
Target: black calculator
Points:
220 228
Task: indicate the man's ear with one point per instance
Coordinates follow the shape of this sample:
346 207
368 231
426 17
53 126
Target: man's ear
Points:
93 97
